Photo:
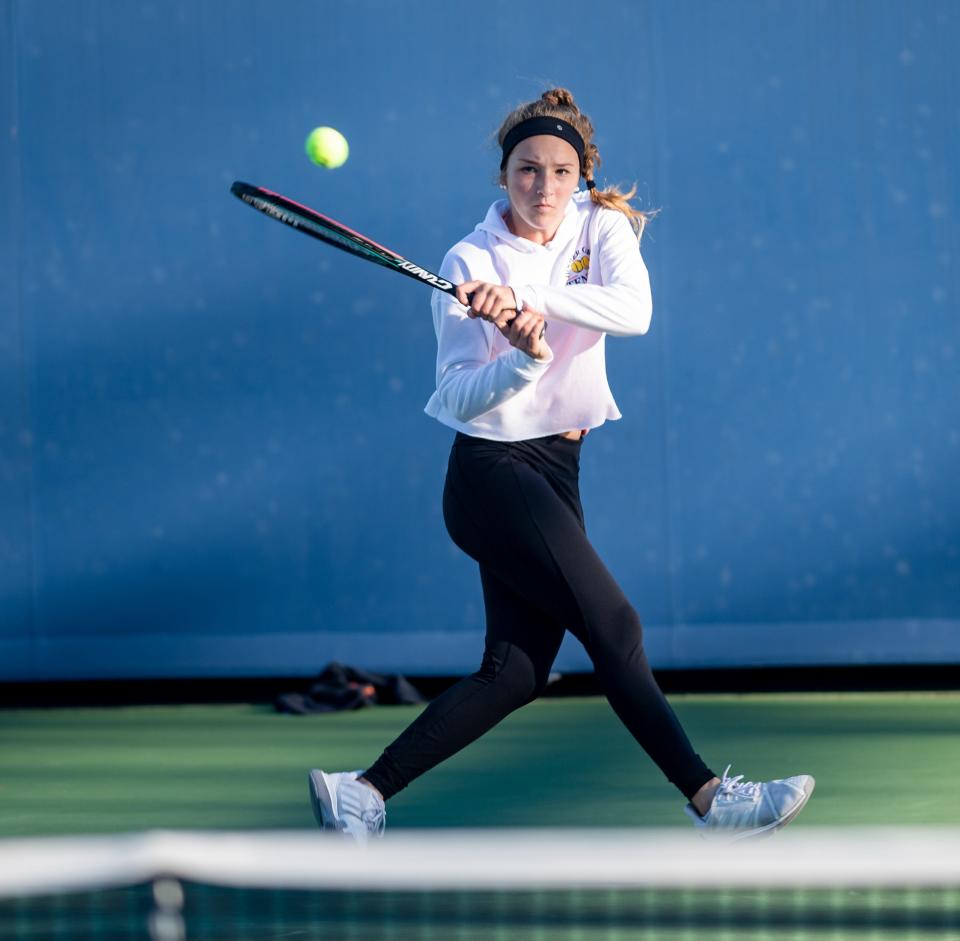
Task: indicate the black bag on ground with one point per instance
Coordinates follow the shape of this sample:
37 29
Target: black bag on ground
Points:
339 688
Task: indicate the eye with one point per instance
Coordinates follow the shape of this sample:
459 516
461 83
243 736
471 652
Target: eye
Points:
563 171
524 169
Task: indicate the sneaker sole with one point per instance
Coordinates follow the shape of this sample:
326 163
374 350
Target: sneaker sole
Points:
321 799
772 828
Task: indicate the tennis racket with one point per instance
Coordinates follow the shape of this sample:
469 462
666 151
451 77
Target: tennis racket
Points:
334 233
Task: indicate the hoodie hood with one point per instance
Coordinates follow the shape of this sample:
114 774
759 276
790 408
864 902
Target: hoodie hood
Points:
495 227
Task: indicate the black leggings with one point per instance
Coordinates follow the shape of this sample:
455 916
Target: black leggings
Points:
515 508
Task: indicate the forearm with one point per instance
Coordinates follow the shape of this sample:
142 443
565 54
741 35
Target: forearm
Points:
468 390
617 309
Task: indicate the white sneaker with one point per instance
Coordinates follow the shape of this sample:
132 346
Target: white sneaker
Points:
742 809
341 802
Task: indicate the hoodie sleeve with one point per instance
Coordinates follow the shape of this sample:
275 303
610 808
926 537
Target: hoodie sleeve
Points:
620 304
469 382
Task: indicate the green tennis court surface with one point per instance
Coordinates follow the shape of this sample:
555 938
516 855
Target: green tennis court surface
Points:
879 759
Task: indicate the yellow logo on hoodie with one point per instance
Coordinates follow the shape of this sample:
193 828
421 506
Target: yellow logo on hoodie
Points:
579 267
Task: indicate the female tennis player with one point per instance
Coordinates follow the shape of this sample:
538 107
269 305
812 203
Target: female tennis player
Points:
521 399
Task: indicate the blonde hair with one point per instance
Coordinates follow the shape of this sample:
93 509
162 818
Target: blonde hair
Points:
559 103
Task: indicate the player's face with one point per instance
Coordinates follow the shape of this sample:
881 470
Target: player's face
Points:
541 175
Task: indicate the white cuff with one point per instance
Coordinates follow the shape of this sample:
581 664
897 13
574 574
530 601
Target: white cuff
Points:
525 365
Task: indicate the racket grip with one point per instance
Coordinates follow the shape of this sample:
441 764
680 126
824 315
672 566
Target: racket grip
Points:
542 332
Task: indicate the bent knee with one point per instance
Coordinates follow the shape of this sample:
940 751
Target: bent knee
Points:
511 668
621 634
540 686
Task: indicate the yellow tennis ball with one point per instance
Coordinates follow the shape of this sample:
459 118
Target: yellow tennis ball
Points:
327 147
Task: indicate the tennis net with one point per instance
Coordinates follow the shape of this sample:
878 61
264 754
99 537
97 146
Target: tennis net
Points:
484 884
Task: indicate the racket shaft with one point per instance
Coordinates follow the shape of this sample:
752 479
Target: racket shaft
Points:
310 222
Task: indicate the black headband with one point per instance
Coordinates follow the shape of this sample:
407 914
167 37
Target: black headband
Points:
532 127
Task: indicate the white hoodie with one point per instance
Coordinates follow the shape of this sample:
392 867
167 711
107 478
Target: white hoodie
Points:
589 280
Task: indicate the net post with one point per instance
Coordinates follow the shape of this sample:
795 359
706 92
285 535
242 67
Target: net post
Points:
166 916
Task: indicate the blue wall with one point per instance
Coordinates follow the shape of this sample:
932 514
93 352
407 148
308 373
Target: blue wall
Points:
213 458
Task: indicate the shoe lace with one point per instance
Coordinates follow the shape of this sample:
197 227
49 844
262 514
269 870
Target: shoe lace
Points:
736 788
375 819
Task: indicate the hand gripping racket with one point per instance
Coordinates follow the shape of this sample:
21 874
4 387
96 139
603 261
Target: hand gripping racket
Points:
334 233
